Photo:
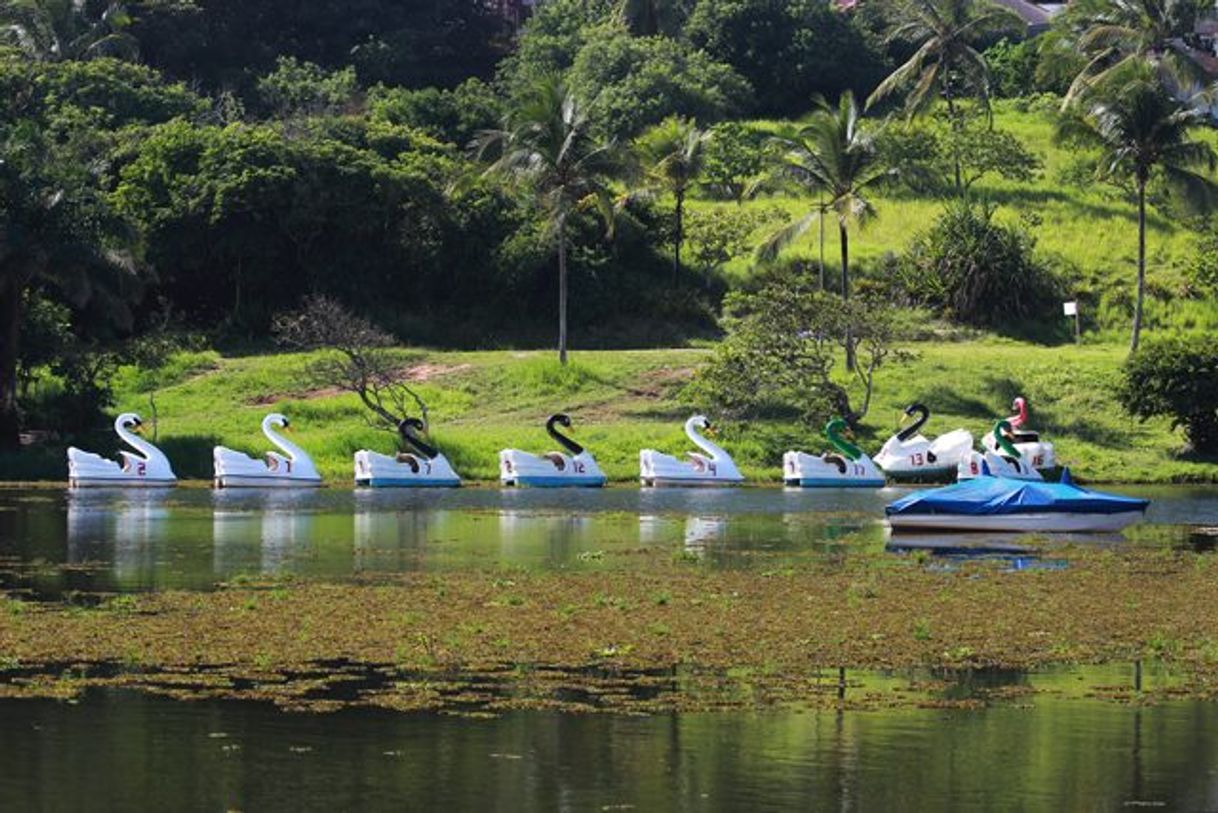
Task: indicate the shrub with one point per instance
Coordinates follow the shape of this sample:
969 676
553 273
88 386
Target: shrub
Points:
1177 378
978 271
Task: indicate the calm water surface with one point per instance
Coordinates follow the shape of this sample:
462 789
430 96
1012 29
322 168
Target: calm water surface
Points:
53 541
119 750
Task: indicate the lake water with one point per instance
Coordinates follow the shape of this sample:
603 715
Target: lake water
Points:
1052 743
53 541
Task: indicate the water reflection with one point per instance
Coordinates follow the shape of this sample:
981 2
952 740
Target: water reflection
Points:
52 541
124 750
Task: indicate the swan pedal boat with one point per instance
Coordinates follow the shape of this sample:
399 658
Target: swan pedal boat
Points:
845 467
908 456
1037 453
292 469
575 469
715 468
1006 460
424 467
989 503
146 468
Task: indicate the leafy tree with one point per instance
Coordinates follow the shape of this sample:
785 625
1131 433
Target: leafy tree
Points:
547 145
788 51
1012 67
673 154
717 235
298 88
1139 129
831 153
779 353
67 29
647 18
455 116
633 83
56 231
927 155
1115 35
735 161
946 63
1177 378
978 271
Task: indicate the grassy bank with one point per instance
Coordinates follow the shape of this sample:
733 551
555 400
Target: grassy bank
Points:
739 638
623 401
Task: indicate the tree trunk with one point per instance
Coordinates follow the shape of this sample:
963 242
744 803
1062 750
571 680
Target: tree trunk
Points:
10 324
678 237
562 290
841 230
1137 304
951 114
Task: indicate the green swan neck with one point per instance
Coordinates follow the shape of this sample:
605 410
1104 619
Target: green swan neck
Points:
1001 429
833 432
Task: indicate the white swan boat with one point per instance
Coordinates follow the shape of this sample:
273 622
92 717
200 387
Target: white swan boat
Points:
292 469
714 468
1004 461
423 467
844 467
575 468
909 456
146 468
1037 453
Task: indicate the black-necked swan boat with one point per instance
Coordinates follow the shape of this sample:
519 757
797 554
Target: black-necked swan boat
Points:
422 467
575 468
846 466
714 468
292 469
989 503
1004 461
146 468
1037 453
909 456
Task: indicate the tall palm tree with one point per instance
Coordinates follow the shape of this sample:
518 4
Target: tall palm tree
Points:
831 153
55 30
1114 34
946 64
673 155
1140 127
546 144
57 231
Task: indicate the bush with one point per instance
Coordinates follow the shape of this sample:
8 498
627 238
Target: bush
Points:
1177 378
980 272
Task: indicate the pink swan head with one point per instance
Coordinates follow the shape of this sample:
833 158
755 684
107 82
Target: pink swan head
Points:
1020 405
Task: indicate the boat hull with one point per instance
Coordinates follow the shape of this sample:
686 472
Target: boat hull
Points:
688 482
120 482
405 482
252 481
1045 521
832 482
543 481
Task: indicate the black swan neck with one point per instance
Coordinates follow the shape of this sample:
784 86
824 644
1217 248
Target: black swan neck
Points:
571 446
409 432
923 415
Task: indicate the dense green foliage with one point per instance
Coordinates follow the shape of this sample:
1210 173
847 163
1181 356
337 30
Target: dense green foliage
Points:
1176 378
980 272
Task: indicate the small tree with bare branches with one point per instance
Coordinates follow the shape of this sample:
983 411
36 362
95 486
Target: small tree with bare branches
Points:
359 358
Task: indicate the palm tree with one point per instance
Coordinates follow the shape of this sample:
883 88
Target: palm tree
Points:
56 231
1114 34
673 154
1141 128
946 65
55 30
546 144
831 153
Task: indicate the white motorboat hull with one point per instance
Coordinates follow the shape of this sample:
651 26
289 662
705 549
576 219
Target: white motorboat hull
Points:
1045 522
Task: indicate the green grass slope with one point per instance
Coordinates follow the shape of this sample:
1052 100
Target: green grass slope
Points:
623 401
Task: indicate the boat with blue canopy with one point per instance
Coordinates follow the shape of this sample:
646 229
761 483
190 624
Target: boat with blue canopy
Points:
990 503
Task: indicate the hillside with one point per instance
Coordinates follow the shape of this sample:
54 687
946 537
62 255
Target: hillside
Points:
626 400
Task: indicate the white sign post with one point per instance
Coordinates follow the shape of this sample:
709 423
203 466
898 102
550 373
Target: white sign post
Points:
1071 309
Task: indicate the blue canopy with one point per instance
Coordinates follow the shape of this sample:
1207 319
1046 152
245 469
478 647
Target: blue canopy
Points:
1001 495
